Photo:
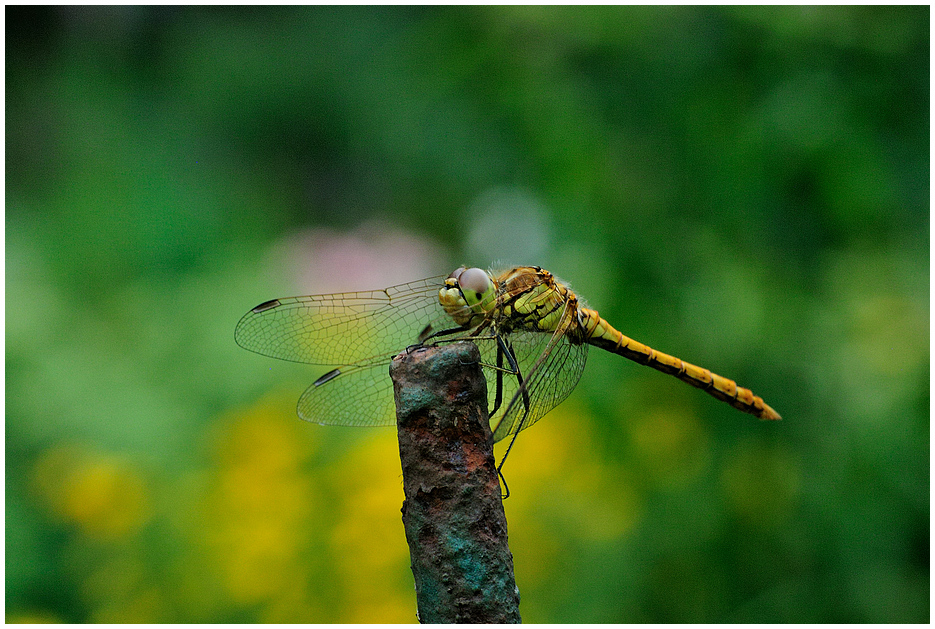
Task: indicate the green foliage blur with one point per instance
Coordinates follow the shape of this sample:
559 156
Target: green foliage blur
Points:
746 188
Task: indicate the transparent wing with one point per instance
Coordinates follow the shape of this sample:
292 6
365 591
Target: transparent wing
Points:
359 395
342 328
359 333
547 383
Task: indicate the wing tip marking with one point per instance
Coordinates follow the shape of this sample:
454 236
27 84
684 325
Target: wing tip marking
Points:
266 305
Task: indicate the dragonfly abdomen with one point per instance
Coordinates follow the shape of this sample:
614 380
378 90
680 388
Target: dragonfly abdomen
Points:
601 334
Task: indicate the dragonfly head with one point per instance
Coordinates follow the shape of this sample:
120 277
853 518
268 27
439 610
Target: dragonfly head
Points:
475 286
466 294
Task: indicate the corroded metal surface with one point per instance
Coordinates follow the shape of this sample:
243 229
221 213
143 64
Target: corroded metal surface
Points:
453 514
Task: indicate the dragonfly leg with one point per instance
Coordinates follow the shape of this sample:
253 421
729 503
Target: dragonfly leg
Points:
505 486
512 370
503 350
508 351
519 376
499 397
510 447
423 336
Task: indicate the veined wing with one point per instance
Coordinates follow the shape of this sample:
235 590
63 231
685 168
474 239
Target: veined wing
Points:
360 395
551 367
342 328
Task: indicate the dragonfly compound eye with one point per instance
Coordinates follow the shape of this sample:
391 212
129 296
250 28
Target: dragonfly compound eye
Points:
475 284
456 274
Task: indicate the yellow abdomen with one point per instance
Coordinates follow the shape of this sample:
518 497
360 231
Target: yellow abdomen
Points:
601 334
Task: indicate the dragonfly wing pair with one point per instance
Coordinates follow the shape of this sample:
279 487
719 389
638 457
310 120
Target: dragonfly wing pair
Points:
359 333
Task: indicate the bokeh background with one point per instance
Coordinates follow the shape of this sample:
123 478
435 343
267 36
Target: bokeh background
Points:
746 188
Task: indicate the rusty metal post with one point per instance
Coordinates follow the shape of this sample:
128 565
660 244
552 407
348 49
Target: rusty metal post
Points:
453 513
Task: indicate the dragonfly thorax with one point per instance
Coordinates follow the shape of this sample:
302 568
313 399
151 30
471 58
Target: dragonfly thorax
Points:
532 299
522 298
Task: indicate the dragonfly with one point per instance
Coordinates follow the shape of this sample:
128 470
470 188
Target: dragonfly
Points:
532 330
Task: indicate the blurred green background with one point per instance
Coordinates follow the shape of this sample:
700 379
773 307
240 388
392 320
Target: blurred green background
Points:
745 188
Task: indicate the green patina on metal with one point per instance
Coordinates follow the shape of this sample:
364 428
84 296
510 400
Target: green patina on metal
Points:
453 513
